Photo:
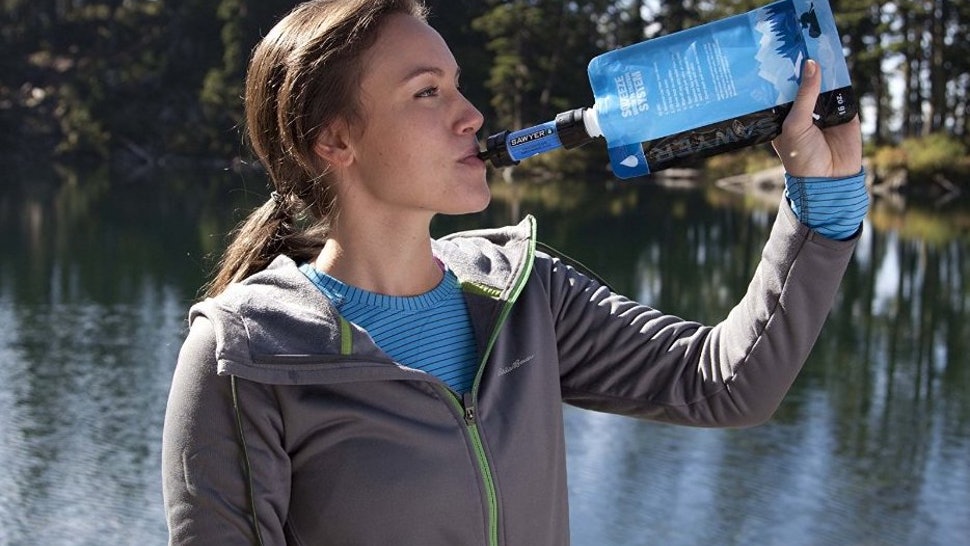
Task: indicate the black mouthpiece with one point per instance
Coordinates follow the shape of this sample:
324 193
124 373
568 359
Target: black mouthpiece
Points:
497 151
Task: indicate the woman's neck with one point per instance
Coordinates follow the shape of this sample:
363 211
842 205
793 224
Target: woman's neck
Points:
389 260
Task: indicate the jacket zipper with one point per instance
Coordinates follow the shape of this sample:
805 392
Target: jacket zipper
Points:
467 406
466 403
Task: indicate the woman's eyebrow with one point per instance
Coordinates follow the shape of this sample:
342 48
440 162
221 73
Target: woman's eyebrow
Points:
434 70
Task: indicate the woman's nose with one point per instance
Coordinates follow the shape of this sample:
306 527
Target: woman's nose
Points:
471 119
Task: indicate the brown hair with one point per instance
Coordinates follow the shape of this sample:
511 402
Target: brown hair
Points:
302 77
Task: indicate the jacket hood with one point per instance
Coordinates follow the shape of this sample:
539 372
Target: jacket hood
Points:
277 327
490 259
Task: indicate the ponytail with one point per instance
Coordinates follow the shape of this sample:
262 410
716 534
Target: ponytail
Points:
268 231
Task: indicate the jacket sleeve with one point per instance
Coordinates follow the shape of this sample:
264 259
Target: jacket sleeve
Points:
206 488
622 357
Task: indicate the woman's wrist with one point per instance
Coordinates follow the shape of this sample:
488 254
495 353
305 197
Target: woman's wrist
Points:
833 207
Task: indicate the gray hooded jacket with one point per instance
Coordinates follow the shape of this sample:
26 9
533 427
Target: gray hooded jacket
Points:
287 425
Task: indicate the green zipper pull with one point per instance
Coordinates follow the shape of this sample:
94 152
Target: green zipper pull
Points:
469 404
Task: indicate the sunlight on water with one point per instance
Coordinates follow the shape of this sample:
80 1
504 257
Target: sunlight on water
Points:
86 396
872 446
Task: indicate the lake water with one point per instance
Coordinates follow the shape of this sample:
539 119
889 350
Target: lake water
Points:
872 445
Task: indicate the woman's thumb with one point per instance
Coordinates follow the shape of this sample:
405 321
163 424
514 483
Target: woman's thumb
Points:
804 106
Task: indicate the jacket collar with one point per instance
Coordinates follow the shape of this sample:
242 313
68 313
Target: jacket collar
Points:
275 323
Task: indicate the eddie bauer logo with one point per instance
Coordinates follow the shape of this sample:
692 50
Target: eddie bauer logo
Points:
516 364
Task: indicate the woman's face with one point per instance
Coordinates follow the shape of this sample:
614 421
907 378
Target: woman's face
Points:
416 149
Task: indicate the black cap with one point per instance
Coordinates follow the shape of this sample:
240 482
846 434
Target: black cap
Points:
571 128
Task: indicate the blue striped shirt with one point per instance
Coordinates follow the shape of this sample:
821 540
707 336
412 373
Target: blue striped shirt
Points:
430 332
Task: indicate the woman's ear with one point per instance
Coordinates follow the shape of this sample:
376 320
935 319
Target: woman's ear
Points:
333 145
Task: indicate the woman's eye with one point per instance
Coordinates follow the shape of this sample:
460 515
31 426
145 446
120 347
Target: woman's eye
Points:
429 92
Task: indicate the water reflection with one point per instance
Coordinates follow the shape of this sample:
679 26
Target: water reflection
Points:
871 447
95 277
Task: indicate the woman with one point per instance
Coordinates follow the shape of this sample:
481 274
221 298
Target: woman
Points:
360 383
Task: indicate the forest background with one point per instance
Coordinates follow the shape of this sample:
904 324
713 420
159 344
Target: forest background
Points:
155 82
